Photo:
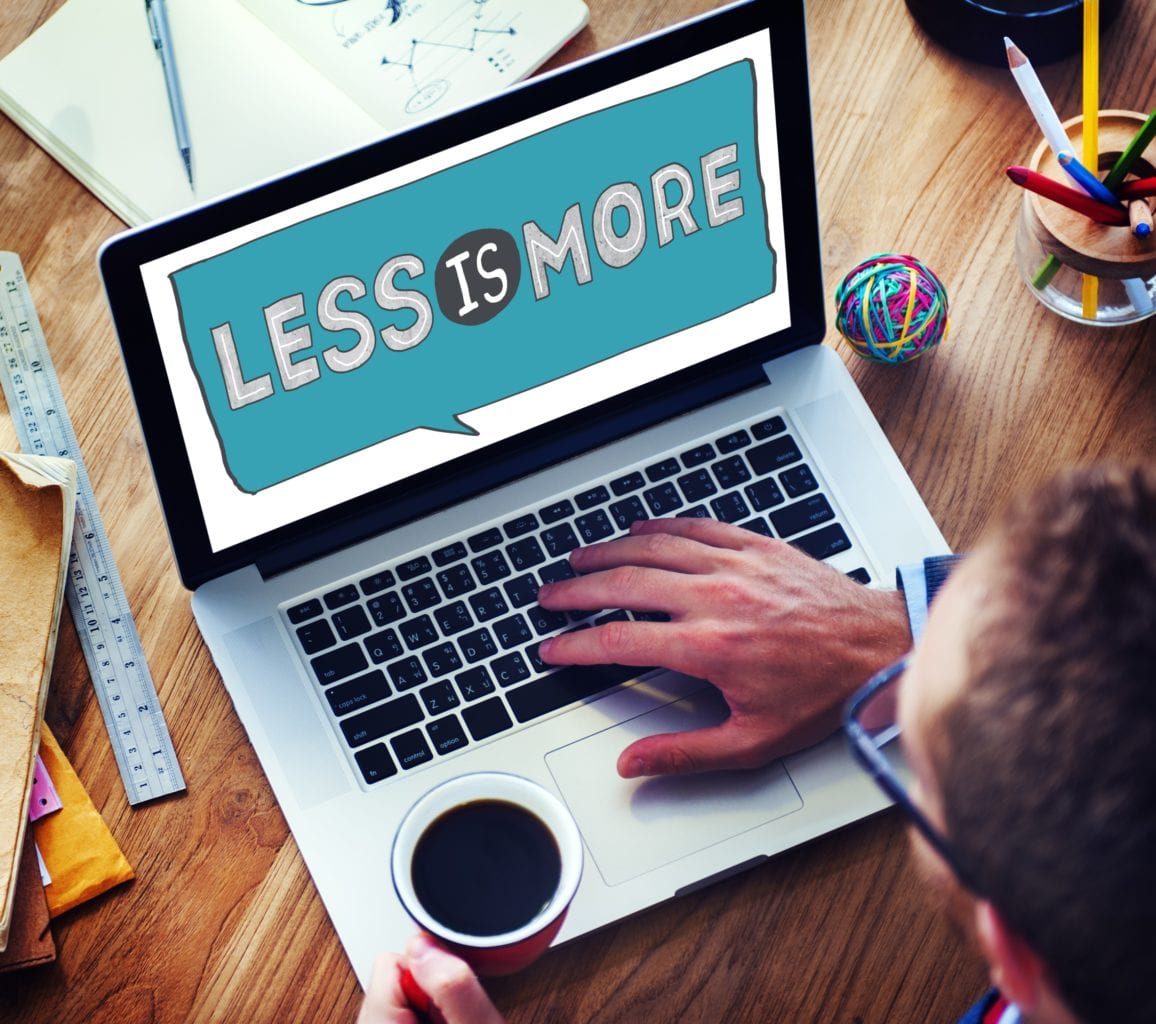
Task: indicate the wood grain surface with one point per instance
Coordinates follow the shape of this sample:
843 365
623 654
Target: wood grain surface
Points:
223 923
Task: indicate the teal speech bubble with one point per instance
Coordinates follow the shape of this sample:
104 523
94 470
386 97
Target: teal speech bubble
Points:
328 336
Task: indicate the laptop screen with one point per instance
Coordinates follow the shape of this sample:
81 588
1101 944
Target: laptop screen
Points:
345 336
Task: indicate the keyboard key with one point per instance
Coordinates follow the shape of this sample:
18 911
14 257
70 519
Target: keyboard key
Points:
697 486
560 539
545 621
392 716
534 657
456 580
407 673
486 719
411 749
566 686
594 496
801 515
730 508
440 696
383 646
357 693
618 615
351 622
446 735
525 553
484 540
661 470
556 571
521 526
489 604
522 590
662 499
860 575
338 664
698 455
491 567
733 441
824 543
315 636
305 610
414 567
454 552
375 763
477 645
341 596
510 669
798 480
628 511
421 595
768 428
512 632
625 484
558 510
378 582
772 455
453 618
594 526
694 512
418 632
731 472
386 609
441 660
474 683
764 494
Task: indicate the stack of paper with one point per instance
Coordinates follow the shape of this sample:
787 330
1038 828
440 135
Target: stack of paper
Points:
37 511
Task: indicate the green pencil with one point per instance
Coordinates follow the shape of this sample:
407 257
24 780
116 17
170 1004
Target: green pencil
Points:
1131 153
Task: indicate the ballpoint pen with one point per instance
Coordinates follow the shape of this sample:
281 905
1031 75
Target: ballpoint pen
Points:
163 41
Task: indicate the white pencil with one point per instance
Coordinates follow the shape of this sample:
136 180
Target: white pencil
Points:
1041 107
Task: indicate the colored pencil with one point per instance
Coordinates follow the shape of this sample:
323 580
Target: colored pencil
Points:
1131 153
1091 285
1037 100
1086 179
1051 189
1140 217
1137 188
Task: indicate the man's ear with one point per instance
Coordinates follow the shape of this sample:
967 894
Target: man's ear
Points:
1015 968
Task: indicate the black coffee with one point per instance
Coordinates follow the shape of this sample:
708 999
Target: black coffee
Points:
486 868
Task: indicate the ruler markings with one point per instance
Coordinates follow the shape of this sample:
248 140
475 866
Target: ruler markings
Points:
96 598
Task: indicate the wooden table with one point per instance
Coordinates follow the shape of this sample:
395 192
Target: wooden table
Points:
223 923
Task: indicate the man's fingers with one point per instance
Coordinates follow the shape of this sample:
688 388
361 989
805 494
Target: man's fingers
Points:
452 987
384 1002
628 586
645 644
680 753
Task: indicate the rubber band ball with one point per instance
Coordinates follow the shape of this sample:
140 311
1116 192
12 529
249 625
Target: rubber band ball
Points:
891 308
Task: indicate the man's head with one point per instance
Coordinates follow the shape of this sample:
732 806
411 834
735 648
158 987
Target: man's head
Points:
1029 716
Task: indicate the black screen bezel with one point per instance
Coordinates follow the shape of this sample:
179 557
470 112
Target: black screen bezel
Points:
388 506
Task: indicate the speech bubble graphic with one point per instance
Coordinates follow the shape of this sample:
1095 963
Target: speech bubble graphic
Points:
410 309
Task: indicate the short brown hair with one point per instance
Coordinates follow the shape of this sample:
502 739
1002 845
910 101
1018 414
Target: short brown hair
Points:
1048 757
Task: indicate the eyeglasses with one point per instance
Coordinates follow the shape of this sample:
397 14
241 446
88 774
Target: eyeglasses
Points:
870 722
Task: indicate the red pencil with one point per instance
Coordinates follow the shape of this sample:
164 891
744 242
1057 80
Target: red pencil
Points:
1049 188
1137 188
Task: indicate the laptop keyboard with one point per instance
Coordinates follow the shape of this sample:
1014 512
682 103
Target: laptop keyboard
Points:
423 657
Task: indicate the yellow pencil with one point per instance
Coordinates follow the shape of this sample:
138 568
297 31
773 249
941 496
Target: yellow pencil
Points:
1091 125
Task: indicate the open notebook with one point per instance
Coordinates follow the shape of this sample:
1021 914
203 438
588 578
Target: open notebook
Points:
268 85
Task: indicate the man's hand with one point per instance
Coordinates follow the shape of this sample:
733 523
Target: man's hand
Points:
784 637
453 989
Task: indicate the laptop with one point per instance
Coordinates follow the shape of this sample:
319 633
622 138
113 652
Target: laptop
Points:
385 395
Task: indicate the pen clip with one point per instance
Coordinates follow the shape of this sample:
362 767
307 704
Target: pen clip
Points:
154 29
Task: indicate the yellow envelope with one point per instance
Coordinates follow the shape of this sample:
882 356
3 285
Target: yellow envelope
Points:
79 851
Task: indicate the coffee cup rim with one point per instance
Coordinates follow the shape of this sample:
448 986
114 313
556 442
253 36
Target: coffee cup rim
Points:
468 788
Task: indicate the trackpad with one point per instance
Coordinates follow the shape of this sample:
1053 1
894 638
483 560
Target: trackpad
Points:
632 826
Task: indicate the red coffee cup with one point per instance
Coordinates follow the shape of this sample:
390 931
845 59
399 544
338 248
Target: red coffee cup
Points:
488 864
